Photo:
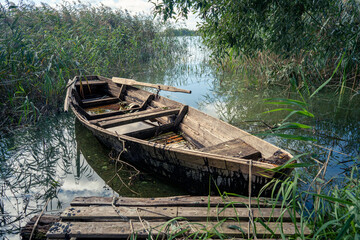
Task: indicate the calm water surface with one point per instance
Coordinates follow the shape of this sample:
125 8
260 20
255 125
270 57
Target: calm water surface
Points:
59 159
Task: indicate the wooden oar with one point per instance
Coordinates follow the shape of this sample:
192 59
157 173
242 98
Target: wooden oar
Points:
132 82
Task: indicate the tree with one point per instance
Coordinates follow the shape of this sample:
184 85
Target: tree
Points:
317 32
283 27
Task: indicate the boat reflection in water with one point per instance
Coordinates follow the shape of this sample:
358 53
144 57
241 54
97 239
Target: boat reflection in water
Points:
117 174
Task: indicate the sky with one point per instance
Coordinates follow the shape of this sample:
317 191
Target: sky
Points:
133 6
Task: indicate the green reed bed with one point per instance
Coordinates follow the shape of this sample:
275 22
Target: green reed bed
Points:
328 212
41 47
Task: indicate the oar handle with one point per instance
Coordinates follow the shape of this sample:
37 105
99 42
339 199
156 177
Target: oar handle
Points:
132 82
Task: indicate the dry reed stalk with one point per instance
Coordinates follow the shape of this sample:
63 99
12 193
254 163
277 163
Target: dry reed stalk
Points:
38 219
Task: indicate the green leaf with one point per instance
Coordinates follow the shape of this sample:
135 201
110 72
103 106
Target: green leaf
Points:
236 228
332 199
300 112
266 226
293 125
345 227
324 226
285 101
325 83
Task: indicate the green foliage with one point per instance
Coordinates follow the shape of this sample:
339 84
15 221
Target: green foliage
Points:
42 47
300 38
181 32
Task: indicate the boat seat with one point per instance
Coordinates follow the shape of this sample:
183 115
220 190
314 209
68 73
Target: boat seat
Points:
136 117
91 83
93 102
234 148
94 118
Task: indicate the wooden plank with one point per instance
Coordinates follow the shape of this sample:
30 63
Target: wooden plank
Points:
44 224
121 91
69 87
110 114
91 82
137 117
116 117
110 213
132 82
234 148
229 228
112 88
81 111
147 101
194 201
77 97
119 115
240 214
135 95
183 111
98 102
92 230
147 133
125 229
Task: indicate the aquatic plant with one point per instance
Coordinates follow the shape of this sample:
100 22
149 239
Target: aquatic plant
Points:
41 47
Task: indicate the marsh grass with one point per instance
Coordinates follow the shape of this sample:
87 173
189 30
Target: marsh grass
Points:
41 47
328 207
329 213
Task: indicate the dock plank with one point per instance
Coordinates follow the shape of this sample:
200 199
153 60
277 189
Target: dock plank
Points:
180 216
109 213
174 201
142 230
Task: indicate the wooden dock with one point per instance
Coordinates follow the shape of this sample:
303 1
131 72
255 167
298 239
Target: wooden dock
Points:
192 217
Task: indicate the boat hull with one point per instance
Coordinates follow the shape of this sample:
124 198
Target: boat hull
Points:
204 170
200 176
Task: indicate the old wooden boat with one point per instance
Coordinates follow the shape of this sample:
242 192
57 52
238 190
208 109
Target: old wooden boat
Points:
173 140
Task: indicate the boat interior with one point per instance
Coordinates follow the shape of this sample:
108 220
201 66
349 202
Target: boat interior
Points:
127 110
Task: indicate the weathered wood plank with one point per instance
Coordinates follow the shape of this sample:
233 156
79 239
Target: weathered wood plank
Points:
81 111
147 101
240 214
190 201
137 117
147 133
98 102
112 88
91 82
134 114
124 229
183 111
234 148
110 213
69 87
44 224
110 114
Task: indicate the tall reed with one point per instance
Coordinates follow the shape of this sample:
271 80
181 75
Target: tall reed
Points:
41 47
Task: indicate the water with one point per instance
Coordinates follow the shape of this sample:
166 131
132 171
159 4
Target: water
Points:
59 159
